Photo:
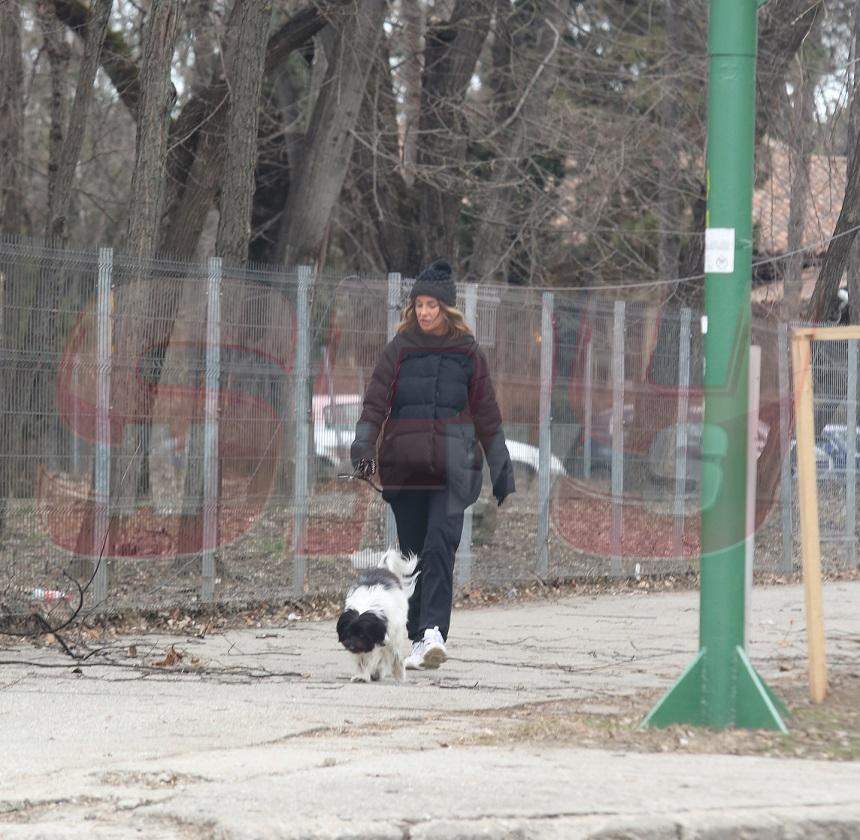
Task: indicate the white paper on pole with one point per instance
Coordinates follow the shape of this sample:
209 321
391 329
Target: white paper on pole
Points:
719 250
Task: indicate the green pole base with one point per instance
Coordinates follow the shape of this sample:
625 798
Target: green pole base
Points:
755 706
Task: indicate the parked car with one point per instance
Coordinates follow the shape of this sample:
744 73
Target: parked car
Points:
834 438
662 450
824 460
334 429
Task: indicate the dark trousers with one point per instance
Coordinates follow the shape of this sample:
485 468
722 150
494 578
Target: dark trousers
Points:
429 524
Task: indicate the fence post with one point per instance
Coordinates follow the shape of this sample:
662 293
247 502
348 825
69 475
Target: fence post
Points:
210 443
101 518
851 455
545 433
785 490
464 552
586 420
681 430
300 481
617 436
394 290
76 425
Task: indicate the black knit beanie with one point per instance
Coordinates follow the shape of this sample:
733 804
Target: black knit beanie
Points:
436 281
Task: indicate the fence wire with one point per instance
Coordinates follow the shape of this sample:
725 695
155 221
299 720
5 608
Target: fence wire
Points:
177 429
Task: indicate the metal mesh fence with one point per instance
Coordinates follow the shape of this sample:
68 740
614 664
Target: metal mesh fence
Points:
173 433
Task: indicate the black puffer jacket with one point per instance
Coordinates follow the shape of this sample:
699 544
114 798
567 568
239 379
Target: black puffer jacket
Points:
435 399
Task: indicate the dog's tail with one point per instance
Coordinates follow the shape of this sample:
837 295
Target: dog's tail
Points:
405 568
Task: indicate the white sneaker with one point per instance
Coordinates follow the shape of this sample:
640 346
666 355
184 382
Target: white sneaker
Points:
434 653
416 655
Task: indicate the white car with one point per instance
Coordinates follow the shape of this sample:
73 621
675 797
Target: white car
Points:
334 429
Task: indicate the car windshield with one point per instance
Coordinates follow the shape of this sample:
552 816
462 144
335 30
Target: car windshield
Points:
342 416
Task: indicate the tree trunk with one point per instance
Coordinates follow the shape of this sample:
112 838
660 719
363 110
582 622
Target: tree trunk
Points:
140 323
328 146
669 212
58 59
641 433
11 99
195 153
782 30
244 78
186 216
116 59
451 52
245 51
197 147
28 424
377 193
205 58
522 86
410 73
157 97
801 116
824 305
489 251
56 228
11 124
853 135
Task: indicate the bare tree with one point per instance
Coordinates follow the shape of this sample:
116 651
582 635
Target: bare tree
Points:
153 119
430 112
60 197
11 212
11 104
199 14
412 14
801 119
523 81
377 214
450 55
134 327
853 135
58 59
669 160
824 303
197 147
248 32
783 28
328 144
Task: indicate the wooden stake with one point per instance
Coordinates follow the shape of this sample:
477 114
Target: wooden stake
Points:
807 494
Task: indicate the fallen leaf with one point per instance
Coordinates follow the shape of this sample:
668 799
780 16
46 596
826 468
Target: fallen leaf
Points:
173 657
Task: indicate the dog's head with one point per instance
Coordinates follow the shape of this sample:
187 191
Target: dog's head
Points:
361 632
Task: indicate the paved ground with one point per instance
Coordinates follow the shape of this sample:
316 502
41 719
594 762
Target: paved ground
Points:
265 737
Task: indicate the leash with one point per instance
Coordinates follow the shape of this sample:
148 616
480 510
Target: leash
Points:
356 476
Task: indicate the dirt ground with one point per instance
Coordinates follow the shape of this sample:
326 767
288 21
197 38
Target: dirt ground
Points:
828 731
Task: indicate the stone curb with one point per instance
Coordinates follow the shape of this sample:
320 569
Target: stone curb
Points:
825 823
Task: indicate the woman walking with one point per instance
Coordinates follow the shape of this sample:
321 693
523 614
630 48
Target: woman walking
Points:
432 399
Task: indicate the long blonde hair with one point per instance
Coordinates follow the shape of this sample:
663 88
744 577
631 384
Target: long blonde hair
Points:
454 318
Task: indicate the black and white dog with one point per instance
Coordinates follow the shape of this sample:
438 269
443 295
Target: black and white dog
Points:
372 625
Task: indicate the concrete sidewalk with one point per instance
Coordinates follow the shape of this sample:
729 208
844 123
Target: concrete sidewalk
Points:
274 741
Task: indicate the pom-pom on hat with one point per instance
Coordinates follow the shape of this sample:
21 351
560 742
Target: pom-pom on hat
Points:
437 281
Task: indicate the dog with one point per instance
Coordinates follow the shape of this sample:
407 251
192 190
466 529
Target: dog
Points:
372 625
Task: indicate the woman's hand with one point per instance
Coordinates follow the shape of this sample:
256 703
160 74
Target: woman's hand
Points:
366 467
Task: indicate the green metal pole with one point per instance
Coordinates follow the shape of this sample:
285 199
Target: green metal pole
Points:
731 115
720 688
